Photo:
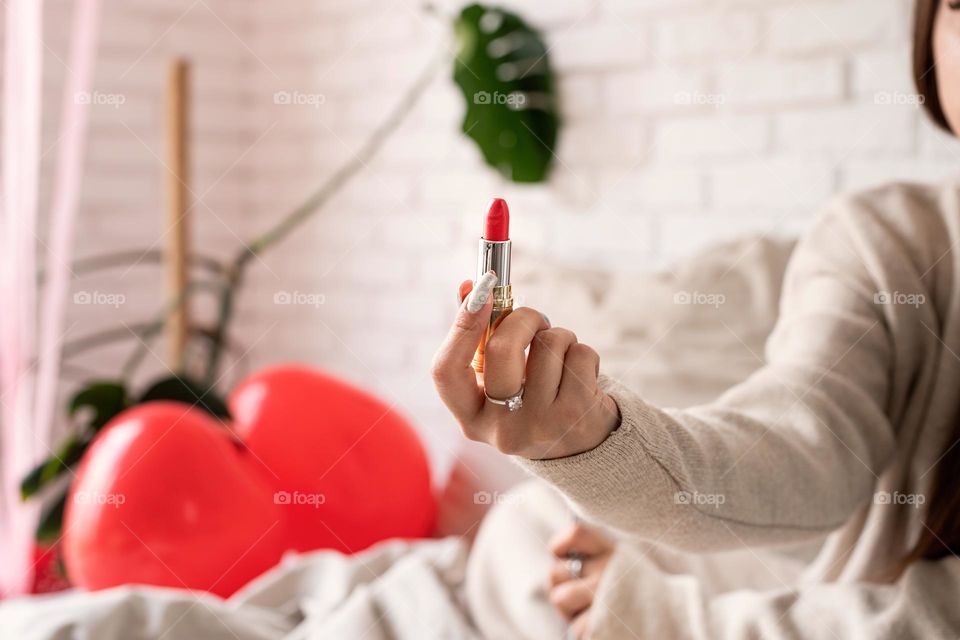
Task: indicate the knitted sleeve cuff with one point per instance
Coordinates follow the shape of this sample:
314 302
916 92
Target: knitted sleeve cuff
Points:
597 480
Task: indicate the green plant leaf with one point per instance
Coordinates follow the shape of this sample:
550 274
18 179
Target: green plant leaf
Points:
106 398
43 474
51 518
503 69
183 390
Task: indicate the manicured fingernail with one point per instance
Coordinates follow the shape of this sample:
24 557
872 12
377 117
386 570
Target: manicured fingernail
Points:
546 319
481 292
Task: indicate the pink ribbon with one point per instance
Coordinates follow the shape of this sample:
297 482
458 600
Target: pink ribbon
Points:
21 166
26 418
66 194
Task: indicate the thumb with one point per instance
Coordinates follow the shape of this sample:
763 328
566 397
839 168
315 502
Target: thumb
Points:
453 375
468 327
465 288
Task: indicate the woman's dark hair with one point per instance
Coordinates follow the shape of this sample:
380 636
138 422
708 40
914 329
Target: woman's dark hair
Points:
924 69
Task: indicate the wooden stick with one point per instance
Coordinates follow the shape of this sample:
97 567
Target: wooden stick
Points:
178 222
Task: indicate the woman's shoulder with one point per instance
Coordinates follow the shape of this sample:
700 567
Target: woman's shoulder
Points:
915 218
898 202
889 198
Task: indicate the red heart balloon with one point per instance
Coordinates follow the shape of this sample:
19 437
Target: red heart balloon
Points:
348 471
168 496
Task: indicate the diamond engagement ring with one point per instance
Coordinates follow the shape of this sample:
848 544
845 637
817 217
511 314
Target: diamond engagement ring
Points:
513 403
575 566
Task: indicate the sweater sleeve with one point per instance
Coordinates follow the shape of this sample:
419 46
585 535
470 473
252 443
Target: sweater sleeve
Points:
793 451
635 600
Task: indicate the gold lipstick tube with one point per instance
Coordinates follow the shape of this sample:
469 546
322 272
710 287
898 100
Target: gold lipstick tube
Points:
494 256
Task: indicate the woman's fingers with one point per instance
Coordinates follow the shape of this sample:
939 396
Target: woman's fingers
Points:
545 365
580 539
452 372
564 412
560 570
580 371
504 358
572 598
580 625
571 595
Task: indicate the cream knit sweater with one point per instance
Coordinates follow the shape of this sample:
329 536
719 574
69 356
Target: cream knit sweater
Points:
836 439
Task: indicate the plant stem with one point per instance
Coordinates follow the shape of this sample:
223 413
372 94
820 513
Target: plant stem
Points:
100 262
156 326
225 313
344 174
142 329
105 337
340 178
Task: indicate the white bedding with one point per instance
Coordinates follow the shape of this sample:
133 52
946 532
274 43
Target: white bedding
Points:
396 590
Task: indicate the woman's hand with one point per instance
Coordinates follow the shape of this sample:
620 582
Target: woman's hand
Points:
564 412
572 595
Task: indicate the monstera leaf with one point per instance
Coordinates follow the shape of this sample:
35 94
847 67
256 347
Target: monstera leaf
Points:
503 70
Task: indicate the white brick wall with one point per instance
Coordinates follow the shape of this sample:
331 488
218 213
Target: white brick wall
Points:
121 200
686 121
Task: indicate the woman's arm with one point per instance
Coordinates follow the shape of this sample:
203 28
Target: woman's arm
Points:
791 452
634 599
788 454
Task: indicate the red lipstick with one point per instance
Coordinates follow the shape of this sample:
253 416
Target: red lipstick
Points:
495 256
497 227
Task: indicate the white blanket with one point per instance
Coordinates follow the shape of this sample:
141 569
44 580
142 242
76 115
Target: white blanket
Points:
396 590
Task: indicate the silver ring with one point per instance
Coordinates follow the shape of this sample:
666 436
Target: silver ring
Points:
575 566
513 403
